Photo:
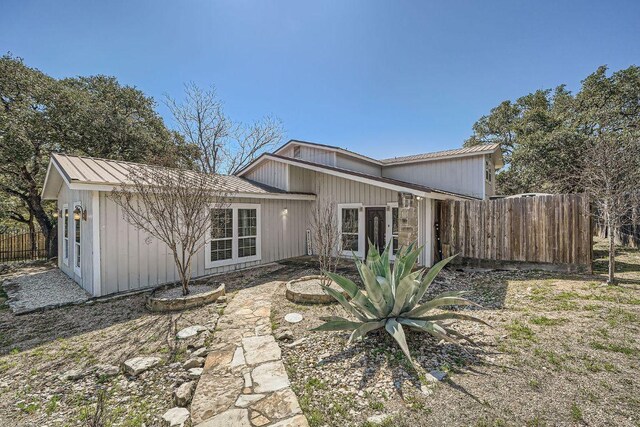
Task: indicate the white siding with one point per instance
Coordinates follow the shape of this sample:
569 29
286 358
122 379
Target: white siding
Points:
490 186
67 196
354 164
301 180
460 175
312 154
343 191
270 172
129 262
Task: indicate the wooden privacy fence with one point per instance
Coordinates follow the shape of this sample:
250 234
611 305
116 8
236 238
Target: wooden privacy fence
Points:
18 245
552 232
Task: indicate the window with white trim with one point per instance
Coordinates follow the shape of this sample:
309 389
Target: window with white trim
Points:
77 238
349 230
65 234
234 236
488 173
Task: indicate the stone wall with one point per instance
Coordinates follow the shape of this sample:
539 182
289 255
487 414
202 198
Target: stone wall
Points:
407 219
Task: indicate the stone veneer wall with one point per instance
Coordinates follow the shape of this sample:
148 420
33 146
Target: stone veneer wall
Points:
407 219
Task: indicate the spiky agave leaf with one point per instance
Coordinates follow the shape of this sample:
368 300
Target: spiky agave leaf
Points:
392 298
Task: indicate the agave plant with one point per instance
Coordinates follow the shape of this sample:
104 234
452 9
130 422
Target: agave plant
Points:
392 299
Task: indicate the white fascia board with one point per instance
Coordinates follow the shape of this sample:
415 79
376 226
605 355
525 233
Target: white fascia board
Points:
283 196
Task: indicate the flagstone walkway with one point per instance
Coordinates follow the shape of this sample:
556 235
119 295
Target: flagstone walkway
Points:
244 382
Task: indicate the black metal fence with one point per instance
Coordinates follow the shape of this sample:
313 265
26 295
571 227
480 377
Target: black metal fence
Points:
21 244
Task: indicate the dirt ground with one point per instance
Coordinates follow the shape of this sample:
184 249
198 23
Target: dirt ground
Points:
37 349
563 350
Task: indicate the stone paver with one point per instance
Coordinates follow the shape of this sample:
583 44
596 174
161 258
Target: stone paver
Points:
244 382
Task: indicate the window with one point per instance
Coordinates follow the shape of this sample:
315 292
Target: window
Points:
77 222
234 236
65 234
488 173
351 226
221 234
296 152
247 232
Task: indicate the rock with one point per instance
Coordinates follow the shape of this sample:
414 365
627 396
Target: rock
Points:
378 419
278 405
195 372
201 352
106 370
138 365
74 374
222 299
297 421
238 358
245 400
194 362
284 335
269 377
183 394
438 375
175 417
229 418
201 340
296 342
247 380
259 420
191 331
293 317
261 349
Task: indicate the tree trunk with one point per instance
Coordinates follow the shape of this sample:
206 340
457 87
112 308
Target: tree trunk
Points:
33 237
612 255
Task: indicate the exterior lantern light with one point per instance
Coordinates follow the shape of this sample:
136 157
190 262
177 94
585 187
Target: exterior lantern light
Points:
56 214
78 213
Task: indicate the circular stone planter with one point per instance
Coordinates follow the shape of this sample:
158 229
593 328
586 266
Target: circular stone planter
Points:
181 303
307 290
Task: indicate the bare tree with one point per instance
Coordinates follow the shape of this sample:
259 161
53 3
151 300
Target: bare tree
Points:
224 145
325 237
610 173
174 206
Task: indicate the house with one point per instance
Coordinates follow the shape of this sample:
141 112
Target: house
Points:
390 200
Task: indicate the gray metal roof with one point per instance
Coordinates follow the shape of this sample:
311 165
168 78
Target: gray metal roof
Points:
90 170
476 149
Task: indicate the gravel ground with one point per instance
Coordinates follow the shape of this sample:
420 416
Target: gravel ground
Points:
312 287
563 350
41 286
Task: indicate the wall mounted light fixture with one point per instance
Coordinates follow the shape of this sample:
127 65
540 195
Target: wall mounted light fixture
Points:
78 213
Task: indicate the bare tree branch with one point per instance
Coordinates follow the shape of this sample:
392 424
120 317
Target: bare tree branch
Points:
326 237
173 206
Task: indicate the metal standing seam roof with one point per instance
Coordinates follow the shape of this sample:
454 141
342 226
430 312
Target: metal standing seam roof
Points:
476 149
397 182
90 170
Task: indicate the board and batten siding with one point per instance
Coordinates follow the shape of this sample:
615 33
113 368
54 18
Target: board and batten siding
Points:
329 188
129 262
272 173
464 175
354 164
312 154
69 197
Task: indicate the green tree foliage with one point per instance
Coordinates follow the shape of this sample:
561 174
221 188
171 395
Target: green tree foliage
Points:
93 116
544 135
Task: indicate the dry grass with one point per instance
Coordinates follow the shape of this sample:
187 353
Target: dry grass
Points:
564 350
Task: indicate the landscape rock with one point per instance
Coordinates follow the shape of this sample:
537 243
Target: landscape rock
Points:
182 395
229 418
284 335
201 352
270 377
438 375
245 400
195 372
191 331
175 417
378 419
194 362
261 349
106 370
138 365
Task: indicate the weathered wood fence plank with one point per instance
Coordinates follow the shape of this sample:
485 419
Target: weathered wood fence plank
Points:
552 232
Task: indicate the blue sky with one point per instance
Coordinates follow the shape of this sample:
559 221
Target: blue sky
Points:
379 77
